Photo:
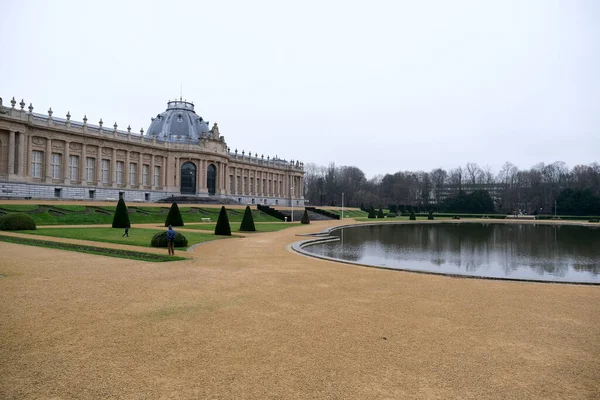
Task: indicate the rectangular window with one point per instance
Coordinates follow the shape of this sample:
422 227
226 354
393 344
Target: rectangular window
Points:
73 168
132 168
89 168
251 185
105 170
57 192
36 164
55 166
145 173
120 165
157 176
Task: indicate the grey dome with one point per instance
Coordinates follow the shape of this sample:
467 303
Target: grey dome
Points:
178 123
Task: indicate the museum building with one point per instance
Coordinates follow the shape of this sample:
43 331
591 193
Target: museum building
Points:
42 156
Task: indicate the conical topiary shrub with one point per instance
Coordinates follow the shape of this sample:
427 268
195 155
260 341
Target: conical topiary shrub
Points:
380 213
372 213
121 218
174 217
247 224
430 216
305 219
223 227
412 216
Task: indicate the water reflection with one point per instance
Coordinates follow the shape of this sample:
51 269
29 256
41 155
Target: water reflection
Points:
518 251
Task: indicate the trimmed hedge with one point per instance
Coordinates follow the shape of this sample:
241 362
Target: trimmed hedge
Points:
160 240
391 215
174 217
121 218
305 219
222 227
430 216
247 224
594 220
380 213
271 211
412 216
323 212
16 222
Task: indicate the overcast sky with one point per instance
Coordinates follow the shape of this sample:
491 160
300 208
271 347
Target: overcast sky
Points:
381 85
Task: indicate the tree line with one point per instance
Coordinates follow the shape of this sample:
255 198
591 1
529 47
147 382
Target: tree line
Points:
541 189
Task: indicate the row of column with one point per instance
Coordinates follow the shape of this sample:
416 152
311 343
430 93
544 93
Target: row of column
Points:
83 178
283 189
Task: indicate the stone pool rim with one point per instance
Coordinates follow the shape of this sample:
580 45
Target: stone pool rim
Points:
324 236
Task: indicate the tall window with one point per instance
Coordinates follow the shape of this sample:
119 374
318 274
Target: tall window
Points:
132 168
105 170
120 165
156 176
55 166
251 185
145 173
89 168
73 168
36 164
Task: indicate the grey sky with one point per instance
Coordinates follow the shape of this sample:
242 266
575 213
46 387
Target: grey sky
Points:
384 86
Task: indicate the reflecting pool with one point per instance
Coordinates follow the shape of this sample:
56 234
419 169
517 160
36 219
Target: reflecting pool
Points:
564 253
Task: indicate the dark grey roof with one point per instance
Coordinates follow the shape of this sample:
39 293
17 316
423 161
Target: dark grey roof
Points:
178 122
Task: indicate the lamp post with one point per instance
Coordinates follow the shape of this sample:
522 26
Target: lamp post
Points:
342 205
554 209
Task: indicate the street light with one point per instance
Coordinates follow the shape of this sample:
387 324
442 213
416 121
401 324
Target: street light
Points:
554 209
342 205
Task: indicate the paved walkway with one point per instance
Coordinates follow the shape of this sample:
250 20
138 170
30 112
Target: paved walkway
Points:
249 319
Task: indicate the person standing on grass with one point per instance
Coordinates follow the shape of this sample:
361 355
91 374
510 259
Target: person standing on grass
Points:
171 240
126 234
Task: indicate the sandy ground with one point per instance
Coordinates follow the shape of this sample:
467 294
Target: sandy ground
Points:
249 319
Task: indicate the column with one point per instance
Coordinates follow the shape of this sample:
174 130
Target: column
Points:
22 160
151 172
139 170
29 156
113 168
83 165
65 164
11 153
126 169
164 172
47 158
99 166
176 172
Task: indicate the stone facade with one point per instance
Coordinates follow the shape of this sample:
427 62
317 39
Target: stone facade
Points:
42 156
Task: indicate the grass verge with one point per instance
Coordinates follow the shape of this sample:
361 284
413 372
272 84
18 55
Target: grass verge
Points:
101 251
137 237
235 227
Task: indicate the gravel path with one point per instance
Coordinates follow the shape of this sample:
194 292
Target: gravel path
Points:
249 319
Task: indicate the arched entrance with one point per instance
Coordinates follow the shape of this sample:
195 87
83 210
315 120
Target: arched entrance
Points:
188 178
211 179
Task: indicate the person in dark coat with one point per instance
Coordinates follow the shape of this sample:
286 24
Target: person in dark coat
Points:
171 240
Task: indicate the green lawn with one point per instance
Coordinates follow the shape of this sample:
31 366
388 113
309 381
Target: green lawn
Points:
102 251
95 215
137 237
235 226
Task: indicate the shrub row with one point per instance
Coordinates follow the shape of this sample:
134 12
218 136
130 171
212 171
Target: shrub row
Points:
323 212
270 211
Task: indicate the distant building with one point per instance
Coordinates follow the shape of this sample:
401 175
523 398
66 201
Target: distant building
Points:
42 156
